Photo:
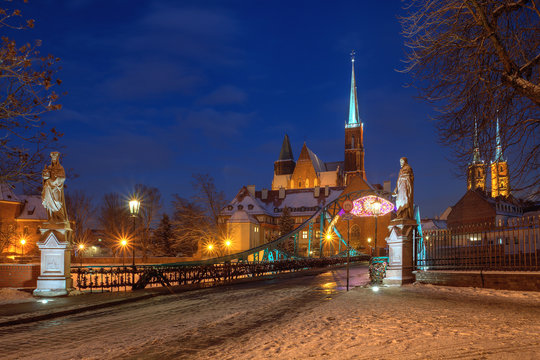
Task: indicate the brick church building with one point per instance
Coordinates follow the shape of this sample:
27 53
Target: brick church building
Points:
303 185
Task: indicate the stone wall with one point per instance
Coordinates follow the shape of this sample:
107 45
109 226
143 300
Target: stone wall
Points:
525 281
19 276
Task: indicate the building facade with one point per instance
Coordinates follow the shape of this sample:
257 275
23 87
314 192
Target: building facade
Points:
21 217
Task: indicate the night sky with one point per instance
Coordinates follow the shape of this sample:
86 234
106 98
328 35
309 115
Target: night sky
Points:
158 90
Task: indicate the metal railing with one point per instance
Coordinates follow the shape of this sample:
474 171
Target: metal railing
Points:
505 245
125 278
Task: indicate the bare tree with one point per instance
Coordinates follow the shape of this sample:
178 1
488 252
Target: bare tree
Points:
8 234
80 212
150 199
479 59
114 220
191 226
27 79
208 197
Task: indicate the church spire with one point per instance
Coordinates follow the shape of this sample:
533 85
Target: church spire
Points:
354 119
286 150
476 148
499 170
498 149
285 164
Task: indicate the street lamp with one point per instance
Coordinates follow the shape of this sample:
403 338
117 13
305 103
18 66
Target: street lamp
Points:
228 245
134 206
81 249
23 241
123 242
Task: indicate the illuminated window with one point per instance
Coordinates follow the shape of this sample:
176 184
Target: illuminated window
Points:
307 183
304 234
256 229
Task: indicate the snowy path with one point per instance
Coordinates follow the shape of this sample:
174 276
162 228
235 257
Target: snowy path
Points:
295 319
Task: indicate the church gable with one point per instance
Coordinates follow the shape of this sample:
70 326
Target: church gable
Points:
305 175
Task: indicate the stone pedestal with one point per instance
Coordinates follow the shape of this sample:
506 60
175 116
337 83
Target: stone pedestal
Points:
400 245
55 276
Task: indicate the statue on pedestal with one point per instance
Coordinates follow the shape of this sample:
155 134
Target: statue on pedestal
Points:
405 191
54 244
52 195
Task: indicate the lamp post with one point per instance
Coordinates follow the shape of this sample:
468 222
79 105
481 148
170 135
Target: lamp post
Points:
376 210
123 242
134 206
23 241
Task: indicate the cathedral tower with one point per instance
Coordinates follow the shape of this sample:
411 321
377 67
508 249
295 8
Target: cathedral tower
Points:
354 136
499 171
476 171
285 164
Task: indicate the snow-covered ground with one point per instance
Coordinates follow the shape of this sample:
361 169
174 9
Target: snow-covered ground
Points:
12 296
302 318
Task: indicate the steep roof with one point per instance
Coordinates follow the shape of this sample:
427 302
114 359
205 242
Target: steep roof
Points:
286 150
7 194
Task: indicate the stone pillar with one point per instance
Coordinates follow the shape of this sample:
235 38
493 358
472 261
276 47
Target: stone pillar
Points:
400 245
55 276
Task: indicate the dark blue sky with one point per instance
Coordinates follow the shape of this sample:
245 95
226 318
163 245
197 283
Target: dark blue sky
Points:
159 90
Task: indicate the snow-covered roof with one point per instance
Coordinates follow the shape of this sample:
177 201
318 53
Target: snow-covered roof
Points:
33 208
333 166
7 194
302 202
433 224
240 216
318 165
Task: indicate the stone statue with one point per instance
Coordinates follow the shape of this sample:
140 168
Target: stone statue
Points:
52 195
405 191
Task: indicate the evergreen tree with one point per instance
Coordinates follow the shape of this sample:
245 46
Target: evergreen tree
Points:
286 225
163 237
286 222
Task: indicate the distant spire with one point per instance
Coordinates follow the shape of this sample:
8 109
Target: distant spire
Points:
498 149
354 119
476 148
286 150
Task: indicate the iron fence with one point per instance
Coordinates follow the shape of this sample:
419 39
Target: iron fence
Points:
124 278
505 245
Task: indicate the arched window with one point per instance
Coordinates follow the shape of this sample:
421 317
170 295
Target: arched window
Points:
352 143
299 184
315 182
307 183
355 233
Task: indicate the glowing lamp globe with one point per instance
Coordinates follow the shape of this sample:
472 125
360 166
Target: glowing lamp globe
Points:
371 205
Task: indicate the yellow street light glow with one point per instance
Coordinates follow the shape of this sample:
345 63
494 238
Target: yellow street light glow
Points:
369 240
81 246
328 236
210 246
23 241
228 243
123 242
